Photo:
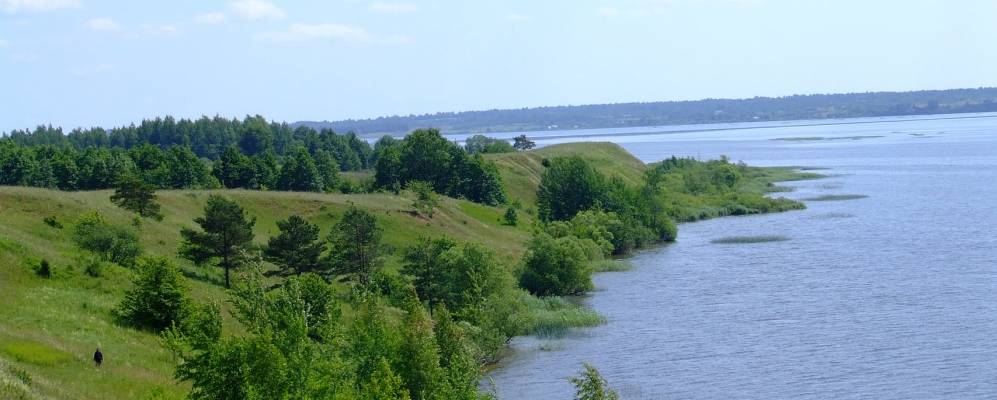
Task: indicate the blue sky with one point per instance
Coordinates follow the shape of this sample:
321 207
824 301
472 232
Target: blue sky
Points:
91 62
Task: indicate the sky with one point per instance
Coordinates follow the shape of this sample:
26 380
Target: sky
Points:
82 63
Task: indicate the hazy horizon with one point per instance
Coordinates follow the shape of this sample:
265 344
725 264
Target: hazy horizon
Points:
94 63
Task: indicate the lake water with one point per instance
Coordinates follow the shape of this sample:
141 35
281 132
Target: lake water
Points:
891 296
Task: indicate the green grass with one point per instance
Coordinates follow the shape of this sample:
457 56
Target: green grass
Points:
749 239
33 352
70 314
521 171
836 197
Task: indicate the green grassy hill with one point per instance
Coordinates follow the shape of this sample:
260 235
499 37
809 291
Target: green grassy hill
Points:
521 171
50 327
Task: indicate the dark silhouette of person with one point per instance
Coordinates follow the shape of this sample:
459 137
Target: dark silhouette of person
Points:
98 357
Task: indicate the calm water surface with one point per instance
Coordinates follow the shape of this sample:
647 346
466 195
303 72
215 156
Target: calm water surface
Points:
892 296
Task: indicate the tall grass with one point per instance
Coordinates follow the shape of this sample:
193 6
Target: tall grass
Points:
555 316
610 266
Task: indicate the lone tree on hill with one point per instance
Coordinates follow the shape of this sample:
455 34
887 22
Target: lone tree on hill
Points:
133 194
296 249
227 233
522 142
355 245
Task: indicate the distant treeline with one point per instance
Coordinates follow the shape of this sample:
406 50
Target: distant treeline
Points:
248 154
208 138
817 106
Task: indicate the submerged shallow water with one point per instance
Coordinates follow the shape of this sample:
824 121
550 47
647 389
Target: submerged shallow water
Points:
889 296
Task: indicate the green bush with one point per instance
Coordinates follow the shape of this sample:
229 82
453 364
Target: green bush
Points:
44 270
555 267
51 221
92 266
510 217
112 243
159 297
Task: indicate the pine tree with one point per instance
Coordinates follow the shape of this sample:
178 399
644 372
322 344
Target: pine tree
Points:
226 234
510 218
355 245
296 249
135 195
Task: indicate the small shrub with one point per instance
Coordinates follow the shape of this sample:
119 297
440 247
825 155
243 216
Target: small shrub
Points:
426 200
44 270
51 221
93 267
21 375
112 243
590 385
510 218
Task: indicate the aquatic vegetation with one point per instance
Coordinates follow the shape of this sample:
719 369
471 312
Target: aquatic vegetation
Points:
749 239
833 215
836 197
554 316
611 266
822 138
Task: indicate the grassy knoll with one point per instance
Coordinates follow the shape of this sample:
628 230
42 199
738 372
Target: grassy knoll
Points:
521 171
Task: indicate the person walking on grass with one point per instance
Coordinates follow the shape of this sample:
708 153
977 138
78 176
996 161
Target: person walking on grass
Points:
98 357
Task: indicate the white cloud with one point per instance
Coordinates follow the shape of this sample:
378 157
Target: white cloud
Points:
210 18
256 9
16 6
608 11
393 8
516 17
307 32
103 24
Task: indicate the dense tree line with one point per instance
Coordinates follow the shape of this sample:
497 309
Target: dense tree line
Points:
176 167
815 106
313 163
208 138
425 155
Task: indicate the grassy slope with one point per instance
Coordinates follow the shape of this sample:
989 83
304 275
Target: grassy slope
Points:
49 328
521 171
